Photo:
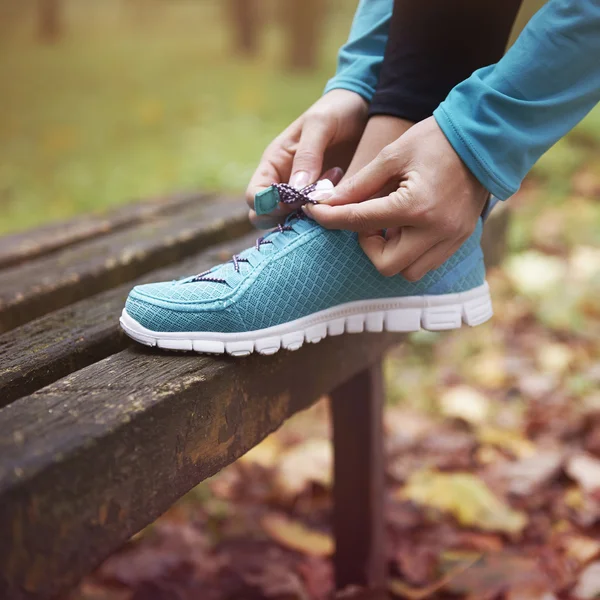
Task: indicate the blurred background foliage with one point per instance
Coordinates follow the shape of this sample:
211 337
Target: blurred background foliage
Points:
104 102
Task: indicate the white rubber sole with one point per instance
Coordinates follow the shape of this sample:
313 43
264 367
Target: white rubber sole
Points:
412 313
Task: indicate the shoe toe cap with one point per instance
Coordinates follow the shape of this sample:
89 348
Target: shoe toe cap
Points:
154 307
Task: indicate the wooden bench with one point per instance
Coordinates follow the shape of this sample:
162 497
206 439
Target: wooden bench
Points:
99 436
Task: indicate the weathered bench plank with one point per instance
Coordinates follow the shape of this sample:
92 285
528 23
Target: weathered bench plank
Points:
44 350
91 459
20 247
81 270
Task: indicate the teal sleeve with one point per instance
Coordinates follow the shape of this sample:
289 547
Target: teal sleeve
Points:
505 116
360 58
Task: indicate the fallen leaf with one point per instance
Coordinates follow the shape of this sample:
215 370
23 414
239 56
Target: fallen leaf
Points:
555 358
399 588
304 464
537 385
496 573
535 274
296 536
530 592
585 470
581 548
317 573
526 476
480 542
488 369
265 455
466 403
404 428
588 586
512 441
466 497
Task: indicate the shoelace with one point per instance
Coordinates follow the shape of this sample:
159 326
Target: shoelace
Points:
288 195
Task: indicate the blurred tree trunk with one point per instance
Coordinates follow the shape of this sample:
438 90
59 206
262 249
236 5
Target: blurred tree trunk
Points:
49 20
144 11
245 23
303 24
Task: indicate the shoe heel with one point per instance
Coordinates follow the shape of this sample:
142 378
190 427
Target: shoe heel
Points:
477 311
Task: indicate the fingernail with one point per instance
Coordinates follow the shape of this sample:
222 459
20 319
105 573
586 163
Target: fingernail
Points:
300 179
320 196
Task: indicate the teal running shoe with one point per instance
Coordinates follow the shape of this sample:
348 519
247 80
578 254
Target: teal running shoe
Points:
301 283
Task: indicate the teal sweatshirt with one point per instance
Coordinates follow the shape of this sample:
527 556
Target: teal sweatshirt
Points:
505 116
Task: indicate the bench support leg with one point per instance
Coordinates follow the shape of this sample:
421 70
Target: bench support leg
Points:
358 493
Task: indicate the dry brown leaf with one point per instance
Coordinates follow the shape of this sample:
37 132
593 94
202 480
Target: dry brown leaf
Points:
404 428
585 470
399 588
497 573
306 463
488 370
555 358
526 476
466 403
535 274
466 497
505 439
296 536
588 586
582 548
265 455
530 592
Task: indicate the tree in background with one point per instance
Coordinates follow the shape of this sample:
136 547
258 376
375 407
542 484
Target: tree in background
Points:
302 21
50 20
245 19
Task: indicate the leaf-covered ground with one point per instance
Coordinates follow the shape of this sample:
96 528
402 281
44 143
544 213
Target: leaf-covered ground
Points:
493 448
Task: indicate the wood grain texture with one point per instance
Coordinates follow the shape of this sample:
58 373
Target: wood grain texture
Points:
46 349
24 246
93 458
82 270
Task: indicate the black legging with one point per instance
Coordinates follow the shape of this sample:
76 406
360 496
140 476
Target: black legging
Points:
435 44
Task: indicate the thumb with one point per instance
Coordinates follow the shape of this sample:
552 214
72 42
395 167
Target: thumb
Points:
308 160
372 180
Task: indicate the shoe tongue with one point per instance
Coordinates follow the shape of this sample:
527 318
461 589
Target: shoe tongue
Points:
274 240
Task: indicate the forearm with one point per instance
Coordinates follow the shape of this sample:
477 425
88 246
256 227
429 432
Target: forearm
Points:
360 58
505 116
435 45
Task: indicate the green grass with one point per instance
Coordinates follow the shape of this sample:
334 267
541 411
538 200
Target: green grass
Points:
120 110
117 111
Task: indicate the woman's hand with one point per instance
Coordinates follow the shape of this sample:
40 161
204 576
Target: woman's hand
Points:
432 204
325 136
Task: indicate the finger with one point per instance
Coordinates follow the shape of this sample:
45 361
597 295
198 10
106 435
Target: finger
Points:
432 259
334 175
275 165
392 256
386 167
378 213
308 159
